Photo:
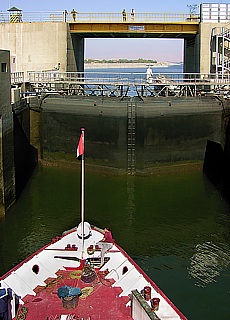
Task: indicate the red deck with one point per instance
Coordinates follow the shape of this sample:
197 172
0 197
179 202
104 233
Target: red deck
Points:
92 305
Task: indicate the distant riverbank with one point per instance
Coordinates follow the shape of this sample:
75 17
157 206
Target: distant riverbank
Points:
126 65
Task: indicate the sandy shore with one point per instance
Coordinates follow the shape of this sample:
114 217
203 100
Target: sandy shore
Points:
124 65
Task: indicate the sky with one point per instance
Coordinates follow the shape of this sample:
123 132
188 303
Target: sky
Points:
156 49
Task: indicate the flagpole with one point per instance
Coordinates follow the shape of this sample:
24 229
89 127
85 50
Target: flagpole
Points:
83 188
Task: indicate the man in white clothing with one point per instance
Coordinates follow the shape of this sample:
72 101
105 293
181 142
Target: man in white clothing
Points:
149 75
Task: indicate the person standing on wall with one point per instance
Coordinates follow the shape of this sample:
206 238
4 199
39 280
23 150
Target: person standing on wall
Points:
132 14
73 12
65 14
124 15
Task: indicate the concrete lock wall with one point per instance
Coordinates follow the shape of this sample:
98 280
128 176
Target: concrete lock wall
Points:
105 124
7 171
39 46
25 153
163 133
181 137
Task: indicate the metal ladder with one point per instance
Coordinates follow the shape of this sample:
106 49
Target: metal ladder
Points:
131 137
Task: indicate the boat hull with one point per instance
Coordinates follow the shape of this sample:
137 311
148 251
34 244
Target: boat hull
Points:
119 286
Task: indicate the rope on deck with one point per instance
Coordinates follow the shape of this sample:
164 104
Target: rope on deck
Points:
21 314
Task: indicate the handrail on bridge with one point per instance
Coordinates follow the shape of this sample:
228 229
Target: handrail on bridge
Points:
124 84
96 77
118 78
221 31
17 77
81 17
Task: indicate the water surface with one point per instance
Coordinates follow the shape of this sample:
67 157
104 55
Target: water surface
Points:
175 226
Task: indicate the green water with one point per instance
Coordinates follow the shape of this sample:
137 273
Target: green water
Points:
175 226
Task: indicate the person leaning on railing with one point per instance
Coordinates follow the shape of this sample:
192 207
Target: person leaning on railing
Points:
124 15
65 14
132 14
73 12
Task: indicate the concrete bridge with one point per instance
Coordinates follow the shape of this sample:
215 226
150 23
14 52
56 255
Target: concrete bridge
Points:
56 40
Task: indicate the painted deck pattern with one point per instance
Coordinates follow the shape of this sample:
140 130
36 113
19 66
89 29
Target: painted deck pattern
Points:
92 305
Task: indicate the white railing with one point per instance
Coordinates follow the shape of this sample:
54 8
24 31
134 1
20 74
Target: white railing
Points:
221 31
138 17
131 78
17 77
185 78
127 84
64 16
92 77
41 16
215 12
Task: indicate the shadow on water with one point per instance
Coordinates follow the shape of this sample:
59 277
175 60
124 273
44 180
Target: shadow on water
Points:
175 226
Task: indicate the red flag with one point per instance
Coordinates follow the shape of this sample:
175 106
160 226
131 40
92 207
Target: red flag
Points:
80 147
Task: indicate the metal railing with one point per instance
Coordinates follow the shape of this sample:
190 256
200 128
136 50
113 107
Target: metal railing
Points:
179 78
221 31
80 77
127 84
17 77
64 16
220 49
41 16
131 78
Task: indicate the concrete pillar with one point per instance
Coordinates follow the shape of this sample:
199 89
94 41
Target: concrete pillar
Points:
78 47
191 55
7 169
205 41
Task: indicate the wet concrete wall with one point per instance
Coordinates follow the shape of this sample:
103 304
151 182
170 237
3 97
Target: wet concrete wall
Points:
175 138
25 154
217 158
105 134
167 130
7 172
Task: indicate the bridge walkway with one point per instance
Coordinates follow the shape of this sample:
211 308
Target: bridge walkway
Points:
127 84
115 24
96 17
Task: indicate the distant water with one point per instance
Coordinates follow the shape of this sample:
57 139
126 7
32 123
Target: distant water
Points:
175 226
157 70
126 74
